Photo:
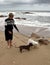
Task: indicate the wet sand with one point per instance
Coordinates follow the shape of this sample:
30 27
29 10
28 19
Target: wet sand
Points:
13 56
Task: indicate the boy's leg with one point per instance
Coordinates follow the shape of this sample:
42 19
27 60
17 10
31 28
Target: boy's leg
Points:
9 43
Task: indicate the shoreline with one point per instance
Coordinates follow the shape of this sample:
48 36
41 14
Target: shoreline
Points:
28 30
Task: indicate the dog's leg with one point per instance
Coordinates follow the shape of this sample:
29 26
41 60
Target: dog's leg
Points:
21 50
28 49
35 46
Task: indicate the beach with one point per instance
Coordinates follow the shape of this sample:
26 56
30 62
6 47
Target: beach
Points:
28 24
12 56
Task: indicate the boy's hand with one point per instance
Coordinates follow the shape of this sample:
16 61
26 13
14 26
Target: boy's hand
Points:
18 30
10 32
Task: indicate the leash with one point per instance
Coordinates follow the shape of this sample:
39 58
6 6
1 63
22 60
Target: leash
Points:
20 38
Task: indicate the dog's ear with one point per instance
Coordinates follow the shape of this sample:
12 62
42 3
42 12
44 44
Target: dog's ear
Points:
30 44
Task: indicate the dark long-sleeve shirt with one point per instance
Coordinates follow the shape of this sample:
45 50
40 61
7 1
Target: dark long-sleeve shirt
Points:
10 24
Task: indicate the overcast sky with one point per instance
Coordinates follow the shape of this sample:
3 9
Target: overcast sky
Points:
25 1
36 4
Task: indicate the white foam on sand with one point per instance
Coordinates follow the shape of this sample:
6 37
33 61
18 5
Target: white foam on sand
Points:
35 23
39 14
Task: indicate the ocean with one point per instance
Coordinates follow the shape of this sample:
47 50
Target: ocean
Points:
32 19
35 21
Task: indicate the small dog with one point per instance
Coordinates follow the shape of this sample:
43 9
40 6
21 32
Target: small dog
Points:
27 47
34 43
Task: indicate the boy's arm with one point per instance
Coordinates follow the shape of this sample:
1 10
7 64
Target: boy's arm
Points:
16 27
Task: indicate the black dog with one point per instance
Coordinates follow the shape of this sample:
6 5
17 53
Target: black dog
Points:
27 47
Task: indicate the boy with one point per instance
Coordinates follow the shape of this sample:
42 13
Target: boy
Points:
9 29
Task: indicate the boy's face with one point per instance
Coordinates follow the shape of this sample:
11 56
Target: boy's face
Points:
11 17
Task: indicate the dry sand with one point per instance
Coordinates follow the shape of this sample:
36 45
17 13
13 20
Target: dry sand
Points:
12 56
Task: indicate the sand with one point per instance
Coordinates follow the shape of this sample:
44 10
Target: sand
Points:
12 56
